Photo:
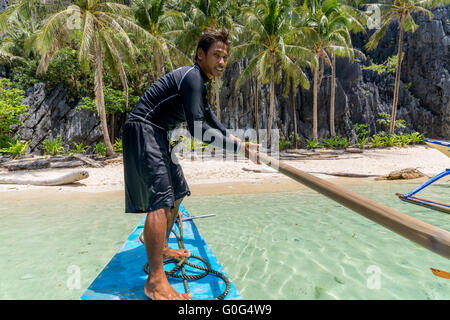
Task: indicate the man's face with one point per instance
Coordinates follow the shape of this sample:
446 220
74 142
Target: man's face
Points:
213 63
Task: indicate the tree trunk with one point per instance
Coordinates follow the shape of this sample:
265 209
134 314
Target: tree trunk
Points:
333 93
256 110
271 103
99 96
217 91
159 65
397 76
315 90
294 114
112 125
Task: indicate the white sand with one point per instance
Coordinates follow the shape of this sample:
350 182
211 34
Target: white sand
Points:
225 176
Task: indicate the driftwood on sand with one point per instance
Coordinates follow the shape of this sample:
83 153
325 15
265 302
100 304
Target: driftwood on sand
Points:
72 161
66 178
33 165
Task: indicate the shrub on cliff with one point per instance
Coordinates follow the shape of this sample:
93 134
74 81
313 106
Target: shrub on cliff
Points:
10 106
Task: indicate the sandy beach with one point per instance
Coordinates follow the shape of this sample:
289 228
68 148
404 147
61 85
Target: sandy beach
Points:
217 176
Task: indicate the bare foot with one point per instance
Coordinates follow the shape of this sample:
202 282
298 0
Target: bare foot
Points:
162 290
175 253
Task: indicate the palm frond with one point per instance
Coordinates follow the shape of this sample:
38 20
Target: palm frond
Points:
379 34
116 63
248 72
52 25
87 38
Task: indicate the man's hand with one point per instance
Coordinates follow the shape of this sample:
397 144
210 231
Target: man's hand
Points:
250 151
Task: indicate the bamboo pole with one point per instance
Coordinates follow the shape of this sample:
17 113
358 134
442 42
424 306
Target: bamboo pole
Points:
424 234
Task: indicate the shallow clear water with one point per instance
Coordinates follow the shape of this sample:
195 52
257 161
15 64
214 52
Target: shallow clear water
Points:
292 245
300 245
53 249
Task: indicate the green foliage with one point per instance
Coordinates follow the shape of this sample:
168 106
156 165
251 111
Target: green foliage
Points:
114 101
384 120
403 140
415 137
100 149
15 147
190 143
362 142
5 141
283 144
65 69
336 142
117 146
10 107
389 66
361 133
383 139
376 141
24 74
53 147
314 144
361 130
390 140
79 148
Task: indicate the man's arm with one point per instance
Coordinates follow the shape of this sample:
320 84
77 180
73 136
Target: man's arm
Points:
212 120
192 93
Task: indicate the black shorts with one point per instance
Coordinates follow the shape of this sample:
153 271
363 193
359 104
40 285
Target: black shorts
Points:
152 179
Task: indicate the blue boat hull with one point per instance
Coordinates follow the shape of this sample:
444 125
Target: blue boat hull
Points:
124 277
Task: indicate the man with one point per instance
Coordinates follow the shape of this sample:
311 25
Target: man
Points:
154 183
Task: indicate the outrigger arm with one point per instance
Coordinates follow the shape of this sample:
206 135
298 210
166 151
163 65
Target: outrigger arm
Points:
430 237
426 184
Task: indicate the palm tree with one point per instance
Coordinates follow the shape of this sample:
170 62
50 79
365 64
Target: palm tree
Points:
271 33
351 20
13 39
325 30
163 25
102 31
401 12
18 21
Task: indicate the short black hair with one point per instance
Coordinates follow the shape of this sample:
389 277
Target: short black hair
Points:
211 36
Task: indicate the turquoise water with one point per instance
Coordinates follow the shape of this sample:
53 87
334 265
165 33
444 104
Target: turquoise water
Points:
54 247
291 245
300 245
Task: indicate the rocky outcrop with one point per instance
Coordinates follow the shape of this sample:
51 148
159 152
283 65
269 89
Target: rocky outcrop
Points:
427 69
49 116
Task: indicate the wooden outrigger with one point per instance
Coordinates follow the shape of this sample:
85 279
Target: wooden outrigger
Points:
444 147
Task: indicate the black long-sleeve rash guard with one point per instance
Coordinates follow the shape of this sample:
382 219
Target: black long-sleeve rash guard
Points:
179 96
